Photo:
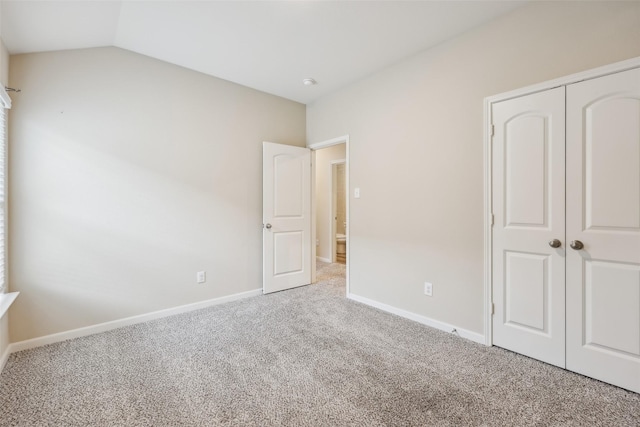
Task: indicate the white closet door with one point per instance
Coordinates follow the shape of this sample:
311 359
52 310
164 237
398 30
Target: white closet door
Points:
603 212
529 213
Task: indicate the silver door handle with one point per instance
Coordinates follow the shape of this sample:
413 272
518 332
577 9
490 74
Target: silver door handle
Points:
555 243
576 244
268 226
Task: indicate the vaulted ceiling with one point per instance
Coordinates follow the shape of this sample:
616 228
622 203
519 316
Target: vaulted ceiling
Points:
267 45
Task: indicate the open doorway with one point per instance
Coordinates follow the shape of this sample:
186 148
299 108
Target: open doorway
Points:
338 222
330 221
330 211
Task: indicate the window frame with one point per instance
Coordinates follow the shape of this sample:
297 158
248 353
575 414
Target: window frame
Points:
5 105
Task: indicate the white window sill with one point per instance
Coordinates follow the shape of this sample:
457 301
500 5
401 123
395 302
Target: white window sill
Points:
5 302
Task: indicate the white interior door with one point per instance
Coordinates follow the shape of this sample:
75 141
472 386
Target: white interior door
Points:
529 213
603 213
286 215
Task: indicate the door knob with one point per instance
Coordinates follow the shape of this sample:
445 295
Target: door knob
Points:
555 243
576 244
268 226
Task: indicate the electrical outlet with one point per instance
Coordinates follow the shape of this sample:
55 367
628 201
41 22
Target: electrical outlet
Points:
201 276
428 289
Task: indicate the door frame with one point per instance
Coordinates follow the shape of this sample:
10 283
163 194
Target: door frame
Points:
488 168
344 139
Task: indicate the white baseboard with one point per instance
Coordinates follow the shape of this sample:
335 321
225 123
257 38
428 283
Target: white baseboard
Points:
323 259
115 324
472 336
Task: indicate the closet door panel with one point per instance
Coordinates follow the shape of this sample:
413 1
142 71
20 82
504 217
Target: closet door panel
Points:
603 213
612 162
528 206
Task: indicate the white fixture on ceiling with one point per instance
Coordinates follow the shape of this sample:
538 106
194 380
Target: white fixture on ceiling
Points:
263 45
309 82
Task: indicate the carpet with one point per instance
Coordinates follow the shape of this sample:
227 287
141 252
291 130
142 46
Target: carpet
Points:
303 357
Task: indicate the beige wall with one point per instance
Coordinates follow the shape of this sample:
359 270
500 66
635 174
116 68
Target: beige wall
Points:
129 175
324 157
416 147
4 64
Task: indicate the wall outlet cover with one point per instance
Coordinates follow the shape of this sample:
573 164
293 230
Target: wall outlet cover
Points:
201 276
428 289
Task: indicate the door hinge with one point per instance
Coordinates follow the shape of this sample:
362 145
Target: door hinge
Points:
493 309
492 219
493 130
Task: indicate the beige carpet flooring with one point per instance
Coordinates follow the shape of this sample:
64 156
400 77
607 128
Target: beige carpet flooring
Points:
304 357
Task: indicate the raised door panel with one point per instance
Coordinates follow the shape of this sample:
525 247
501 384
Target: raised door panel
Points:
288 176
288 252
611 296
526 168
603 212
528 204
526 291
612 161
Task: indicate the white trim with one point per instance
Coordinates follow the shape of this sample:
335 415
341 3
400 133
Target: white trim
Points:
488 237
329 142
317 146
115 324
4 206
323 259
446 327
616 67
5 100
314 234
6 300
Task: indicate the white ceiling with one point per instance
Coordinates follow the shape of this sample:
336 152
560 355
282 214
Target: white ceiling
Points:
267 45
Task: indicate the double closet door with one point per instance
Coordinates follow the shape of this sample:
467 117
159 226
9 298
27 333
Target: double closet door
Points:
566 233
